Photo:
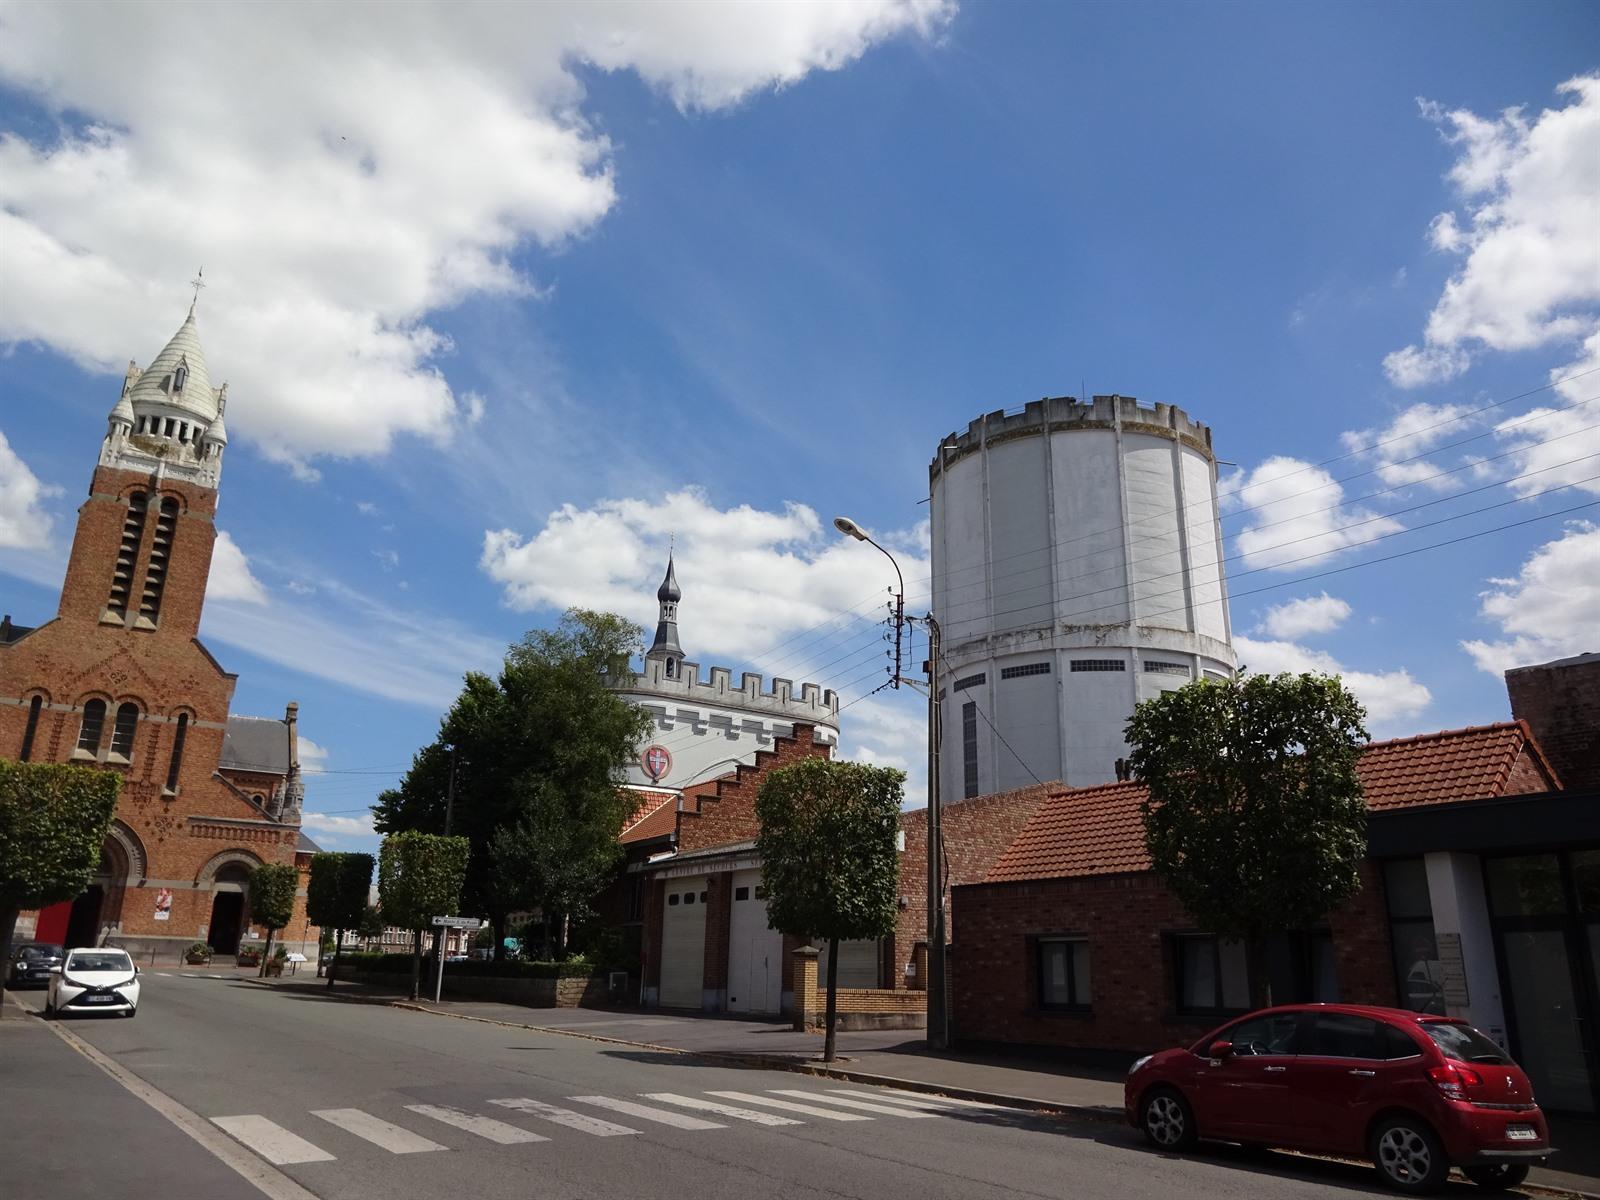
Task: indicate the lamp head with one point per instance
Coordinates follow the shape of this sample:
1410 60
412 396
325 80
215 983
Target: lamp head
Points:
849 528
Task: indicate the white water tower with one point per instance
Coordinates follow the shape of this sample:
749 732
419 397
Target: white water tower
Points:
1077 569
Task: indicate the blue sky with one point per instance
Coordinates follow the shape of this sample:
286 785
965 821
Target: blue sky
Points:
508 299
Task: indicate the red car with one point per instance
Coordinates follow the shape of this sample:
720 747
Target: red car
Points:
1416 1094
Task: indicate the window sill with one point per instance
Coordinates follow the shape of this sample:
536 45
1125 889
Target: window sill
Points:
82 755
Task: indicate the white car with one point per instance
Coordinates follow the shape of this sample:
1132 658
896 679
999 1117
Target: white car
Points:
94 980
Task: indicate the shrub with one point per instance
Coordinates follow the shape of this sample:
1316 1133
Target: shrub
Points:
198 950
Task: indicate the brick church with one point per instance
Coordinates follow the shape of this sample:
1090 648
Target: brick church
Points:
120 680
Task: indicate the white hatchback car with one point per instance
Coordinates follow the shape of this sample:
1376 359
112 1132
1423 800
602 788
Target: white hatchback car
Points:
94 980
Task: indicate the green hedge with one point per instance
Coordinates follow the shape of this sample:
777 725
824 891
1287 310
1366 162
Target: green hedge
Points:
400 964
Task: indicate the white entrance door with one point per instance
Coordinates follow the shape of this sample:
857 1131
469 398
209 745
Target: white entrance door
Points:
683 943
755 952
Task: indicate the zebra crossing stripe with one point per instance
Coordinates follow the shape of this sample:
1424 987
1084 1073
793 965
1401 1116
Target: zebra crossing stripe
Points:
645 1113
271 1141
943 1104
484 1127
722 1110
379 1132
566 1116
808 1110
885 1110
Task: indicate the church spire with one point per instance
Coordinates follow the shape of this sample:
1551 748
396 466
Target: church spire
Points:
665 648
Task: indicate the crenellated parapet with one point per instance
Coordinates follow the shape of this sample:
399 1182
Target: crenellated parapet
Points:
686 685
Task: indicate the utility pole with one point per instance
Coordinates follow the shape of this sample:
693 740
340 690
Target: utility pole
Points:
440 933
938 1019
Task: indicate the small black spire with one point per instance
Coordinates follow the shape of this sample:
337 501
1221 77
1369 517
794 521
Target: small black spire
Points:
666 646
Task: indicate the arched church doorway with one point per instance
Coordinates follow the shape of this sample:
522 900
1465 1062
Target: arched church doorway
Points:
83 922
228 908
96 911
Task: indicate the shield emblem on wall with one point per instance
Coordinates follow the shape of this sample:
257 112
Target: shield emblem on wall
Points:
656 763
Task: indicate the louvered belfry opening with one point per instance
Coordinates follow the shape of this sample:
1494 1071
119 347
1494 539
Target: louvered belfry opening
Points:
127 554
155 576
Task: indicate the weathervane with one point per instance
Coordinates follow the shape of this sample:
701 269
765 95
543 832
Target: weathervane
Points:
197 283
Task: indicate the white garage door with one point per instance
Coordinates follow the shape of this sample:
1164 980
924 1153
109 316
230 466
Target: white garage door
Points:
683 943
755 952
858 965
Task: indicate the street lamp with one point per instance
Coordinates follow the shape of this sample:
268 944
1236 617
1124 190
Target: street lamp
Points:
938 1027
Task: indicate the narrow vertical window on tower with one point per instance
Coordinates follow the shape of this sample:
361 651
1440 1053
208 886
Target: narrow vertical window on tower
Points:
94 723
122 733
179 378
155 576
127 555
969 749
176 765
32 728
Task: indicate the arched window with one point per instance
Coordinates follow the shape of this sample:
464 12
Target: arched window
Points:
176 764
672 668
179 377
127 554
123 731
34 706
155 575
94 723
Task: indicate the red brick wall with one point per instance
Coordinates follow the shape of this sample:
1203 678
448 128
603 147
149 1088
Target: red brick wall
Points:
1561 704
726 808
976 833
1124 918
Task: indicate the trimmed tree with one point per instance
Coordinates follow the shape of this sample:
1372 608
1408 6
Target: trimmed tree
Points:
53 823
272 889
371 926
1255 818
827 846
420 876
336 895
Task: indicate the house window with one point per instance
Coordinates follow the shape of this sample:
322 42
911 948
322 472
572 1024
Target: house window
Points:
32 728
672 900
1098 664
127 724
1418 977
127 555
1152 667
977 680
1041 668
1064 973
688 897
742 893
1212 974
176 764
94 723
969 749
155 575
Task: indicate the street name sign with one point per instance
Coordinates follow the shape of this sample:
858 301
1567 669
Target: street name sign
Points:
458 922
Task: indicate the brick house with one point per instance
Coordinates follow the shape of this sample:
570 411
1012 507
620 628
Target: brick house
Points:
1071 942
1560 701
119 679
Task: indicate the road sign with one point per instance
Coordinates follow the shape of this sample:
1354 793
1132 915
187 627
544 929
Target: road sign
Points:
458 922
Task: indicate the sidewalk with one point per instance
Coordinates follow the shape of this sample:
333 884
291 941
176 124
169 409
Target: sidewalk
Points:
895 1057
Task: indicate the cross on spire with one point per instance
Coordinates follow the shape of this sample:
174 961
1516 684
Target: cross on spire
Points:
197 283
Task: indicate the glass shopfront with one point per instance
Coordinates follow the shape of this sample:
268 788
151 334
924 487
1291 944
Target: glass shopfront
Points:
1546 914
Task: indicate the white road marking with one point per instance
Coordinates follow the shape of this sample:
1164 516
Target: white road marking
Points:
931 1103
725 1110
886 1110
565 1116
809 1110
484 1127
645 1113
380 1133
271 1141
164 974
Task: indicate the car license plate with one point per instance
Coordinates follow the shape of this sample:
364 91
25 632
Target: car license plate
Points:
1521 1133
99 999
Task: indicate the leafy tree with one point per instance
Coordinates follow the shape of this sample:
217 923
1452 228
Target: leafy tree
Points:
336 895
272 889
371 925
53 823
528 765
827 846
1255 818
420 876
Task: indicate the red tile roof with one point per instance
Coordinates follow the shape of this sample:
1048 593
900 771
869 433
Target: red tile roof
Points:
1098 831
656 816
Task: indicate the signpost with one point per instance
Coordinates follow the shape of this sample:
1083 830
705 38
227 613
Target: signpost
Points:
448 923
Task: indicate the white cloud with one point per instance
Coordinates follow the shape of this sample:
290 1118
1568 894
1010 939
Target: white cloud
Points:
750 578
342 171
338 830
1531 274
1399 446
1550 609
313 757
24 525
1309 614
1561 444
231 577
1391 697
888 731
1296 515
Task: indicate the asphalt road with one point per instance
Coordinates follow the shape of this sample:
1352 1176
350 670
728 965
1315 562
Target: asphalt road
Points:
363 1102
